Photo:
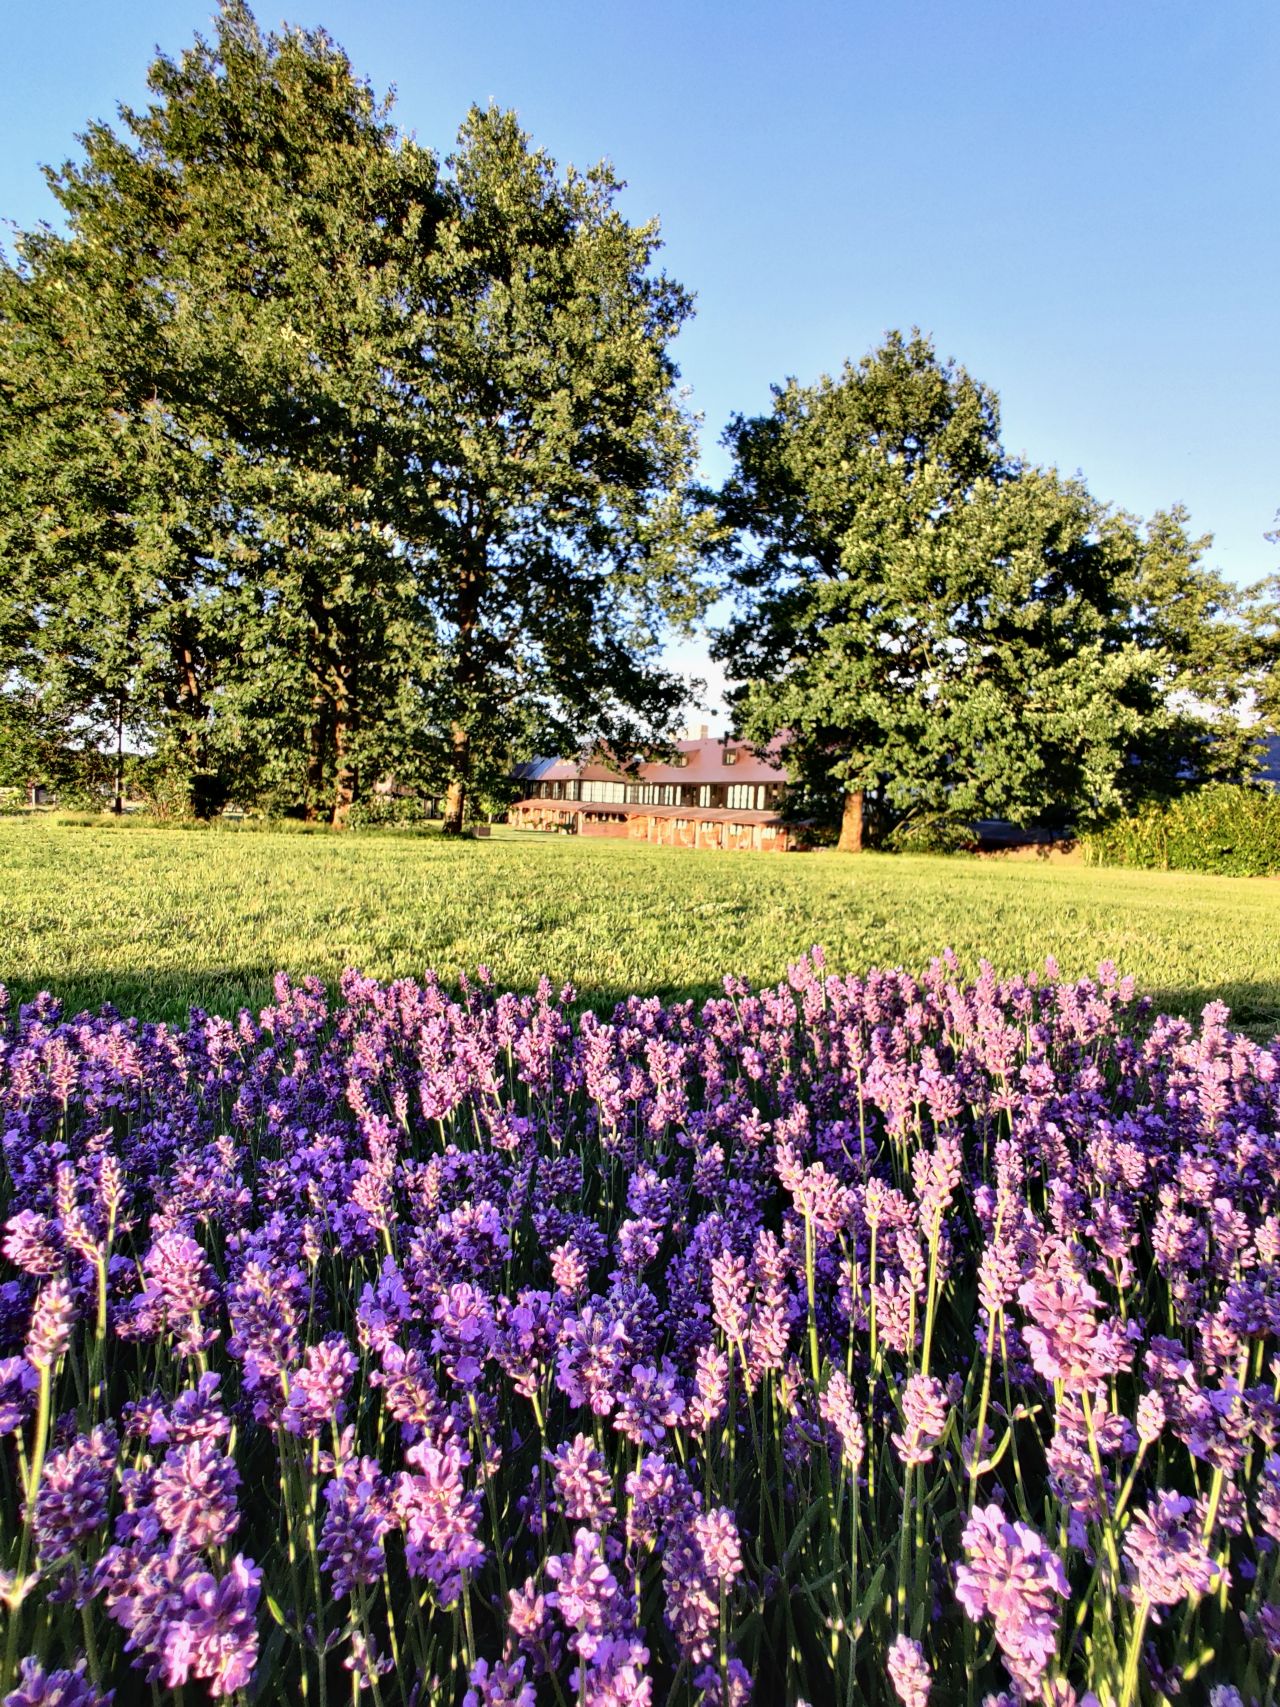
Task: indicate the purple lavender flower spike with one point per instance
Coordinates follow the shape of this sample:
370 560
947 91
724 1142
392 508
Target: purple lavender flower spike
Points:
498 1685
439 1518
74 1492
18 1384
714 1693
222 1627
359 1515
1167 1559
40 1688
702 1557
584 1594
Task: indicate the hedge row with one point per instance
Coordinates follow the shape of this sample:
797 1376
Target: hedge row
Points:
1227 828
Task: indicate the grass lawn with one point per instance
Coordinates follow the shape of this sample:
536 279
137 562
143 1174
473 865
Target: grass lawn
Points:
156 919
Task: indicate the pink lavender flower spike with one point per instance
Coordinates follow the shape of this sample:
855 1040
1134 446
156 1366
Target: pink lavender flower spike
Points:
908 1672
1014 1578
924 1419
51 1323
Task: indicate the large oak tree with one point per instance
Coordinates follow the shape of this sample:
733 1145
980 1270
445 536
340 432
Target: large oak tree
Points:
376 466
551 490
945 634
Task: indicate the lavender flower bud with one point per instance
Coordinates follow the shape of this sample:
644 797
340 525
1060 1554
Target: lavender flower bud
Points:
51 1323
908 1672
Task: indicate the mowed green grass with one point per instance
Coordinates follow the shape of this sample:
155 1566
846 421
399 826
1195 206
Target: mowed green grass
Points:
155 919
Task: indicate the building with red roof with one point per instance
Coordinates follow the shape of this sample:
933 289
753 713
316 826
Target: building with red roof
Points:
716 793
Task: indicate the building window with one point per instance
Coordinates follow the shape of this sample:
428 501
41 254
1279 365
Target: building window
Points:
731 755
682 823
745 796
653 794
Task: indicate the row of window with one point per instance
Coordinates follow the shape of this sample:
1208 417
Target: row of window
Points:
736 796
748 795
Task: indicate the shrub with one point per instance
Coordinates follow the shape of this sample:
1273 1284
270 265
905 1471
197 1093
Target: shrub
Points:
387 811
931 835
1230 828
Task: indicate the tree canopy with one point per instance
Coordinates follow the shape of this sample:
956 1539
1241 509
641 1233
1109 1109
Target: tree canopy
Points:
946 634
323 461
327 462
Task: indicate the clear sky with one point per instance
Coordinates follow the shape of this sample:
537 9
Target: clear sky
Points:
1080 201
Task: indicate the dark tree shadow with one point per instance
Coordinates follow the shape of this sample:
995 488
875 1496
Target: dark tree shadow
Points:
169 995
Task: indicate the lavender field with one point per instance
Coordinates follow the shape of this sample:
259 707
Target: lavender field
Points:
855 1340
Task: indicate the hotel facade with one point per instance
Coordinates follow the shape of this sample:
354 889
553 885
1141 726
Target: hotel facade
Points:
717 793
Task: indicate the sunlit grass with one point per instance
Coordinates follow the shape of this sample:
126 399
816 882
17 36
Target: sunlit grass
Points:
156 919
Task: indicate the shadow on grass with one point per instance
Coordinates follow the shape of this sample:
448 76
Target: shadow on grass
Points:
1255 1008
169 995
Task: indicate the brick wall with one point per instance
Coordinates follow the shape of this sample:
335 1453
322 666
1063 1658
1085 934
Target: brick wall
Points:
660 832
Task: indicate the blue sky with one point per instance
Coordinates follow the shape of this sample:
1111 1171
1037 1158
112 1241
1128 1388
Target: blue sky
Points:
1081 202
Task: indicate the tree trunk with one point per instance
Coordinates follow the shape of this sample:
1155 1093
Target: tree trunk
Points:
191 705
851 823
346 677
119 805
456 799
317 742
344 792
471 582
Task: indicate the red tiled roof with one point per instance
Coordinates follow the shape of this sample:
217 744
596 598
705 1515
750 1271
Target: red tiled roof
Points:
704 763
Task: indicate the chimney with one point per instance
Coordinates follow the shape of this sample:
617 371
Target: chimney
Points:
702 731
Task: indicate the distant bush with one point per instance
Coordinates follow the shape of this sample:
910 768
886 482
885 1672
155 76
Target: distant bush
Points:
1229 828
933 835
388 811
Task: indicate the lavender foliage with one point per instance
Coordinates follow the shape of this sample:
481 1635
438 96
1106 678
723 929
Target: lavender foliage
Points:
863 1339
